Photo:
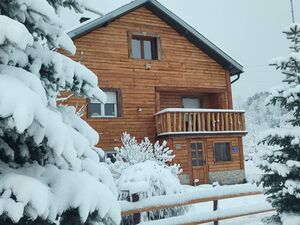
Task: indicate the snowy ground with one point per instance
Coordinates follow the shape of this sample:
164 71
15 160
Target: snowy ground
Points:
234 204
252 173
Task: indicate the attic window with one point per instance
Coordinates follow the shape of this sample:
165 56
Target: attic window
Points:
144 46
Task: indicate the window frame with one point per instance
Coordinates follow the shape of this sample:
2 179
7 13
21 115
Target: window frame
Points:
118 105
144 36
197 154
230 151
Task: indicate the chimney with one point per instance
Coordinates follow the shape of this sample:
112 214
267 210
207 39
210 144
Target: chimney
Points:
83 19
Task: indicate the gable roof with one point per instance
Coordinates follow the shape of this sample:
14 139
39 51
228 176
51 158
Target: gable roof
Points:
172 20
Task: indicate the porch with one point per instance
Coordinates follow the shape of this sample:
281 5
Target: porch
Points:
184 121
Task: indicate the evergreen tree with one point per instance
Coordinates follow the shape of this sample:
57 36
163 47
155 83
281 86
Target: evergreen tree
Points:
49 165
281 158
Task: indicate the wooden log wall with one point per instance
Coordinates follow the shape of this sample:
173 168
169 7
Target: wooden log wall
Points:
180 146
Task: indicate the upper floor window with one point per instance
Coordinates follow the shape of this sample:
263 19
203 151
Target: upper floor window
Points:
222 152
144 46
191 103
109 109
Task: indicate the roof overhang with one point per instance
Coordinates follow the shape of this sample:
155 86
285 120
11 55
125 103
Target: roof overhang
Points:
172 20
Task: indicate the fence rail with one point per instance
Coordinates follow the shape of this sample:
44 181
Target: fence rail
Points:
200 120
199 196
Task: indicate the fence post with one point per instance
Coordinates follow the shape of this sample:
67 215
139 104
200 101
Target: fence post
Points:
215 204
136 218
216 208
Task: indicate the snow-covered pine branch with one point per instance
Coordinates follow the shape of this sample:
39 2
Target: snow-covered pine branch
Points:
49 165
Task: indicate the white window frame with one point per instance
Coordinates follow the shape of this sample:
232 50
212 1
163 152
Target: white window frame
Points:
111 100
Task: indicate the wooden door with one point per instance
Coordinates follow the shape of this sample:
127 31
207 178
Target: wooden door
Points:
198 161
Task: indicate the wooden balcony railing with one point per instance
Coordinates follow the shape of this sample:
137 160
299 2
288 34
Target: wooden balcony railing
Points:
197 121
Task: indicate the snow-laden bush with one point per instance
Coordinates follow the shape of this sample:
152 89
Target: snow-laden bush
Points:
145 170
49 165
133 152
280 160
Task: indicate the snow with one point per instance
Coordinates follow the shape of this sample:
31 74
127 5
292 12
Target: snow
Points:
158 178
203 132
209 216
193 193
69 74
290 219
55 191
197 110
204 211
48 160
14 32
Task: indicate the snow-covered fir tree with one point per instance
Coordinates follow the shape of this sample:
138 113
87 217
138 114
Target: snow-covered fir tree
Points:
260 116
49 165
281 158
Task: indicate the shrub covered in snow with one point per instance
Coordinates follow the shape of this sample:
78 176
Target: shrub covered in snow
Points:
281 158
133 152
145 170
49 165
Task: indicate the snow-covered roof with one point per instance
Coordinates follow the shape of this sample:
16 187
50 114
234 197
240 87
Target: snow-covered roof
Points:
170 18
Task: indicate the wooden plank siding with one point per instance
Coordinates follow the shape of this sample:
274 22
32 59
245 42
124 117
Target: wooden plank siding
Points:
180 146
182 65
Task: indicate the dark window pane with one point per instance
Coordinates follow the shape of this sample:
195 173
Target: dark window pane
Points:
111 156
200 154
147 49
193 145
193 154
194 162
222 152
225 152
94 109
217 152
109 109
154 48
136 49
200 162
199 145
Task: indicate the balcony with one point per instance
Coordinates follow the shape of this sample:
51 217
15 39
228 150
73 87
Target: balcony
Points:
185 121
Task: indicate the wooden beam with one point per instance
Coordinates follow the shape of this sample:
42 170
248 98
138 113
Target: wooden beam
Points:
186 202
190 89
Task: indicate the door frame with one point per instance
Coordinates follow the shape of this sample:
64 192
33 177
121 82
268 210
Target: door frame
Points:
205 157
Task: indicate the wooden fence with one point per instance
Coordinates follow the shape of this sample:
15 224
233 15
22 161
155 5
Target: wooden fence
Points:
162 202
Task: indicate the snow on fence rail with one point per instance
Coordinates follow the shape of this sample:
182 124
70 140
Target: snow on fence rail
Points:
214 216
198 196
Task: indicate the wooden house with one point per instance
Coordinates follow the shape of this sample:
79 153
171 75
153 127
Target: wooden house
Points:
165 81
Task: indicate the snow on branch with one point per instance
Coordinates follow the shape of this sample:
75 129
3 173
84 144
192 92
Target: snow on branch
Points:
19 36
55 191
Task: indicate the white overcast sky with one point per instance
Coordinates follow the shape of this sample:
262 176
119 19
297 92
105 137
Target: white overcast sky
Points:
250 31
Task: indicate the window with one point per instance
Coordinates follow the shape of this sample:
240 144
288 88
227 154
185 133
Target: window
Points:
222 152
197 154
109 109
191 103
111 156
144 46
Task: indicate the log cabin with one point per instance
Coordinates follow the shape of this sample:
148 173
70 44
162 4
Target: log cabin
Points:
166 81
